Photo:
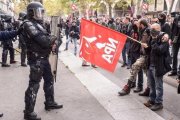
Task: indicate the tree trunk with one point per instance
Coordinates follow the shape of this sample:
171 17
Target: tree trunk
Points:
110 11
139 9
171 6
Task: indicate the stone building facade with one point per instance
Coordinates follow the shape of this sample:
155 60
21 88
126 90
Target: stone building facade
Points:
7 7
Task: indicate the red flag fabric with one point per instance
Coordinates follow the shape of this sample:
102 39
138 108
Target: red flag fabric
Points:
100 45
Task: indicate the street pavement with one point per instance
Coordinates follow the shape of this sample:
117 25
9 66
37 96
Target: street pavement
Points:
171 109
78 103
86 93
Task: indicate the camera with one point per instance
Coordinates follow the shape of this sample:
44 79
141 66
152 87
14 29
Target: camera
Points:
174 14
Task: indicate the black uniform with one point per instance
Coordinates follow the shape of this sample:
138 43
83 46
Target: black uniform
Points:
22 43
6 35
7 45
38 43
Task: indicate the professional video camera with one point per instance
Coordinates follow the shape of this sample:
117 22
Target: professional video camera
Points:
174 14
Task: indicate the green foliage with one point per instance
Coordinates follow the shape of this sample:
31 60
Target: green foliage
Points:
21 6
59 7
123 4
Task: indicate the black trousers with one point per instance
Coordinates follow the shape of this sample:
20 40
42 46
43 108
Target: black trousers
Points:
6 48
175 50
39 69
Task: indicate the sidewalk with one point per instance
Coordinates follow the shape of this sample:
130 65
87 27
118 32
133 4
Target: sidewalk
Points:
120 108
85 93
171 105
78 103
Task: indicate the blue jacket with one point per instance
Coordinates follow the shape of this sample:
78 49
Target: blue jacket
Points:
7 35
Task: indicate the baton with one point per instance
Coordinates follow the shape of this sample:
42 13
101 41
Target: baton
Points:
15 49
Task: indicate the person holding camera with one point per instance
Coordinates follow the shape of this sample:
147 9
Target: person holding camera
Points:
74 36
158 66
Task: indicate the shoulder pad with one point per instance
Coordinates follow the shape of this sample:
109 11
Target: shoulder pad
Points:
30 29
27 23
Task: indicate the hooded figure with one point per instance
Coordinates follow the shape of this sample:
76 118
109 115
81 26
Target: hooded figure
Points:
165 27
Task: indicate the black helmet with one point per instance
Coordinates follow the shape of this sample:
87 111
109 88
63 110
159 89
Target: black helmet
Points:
22 16
7 18
35 11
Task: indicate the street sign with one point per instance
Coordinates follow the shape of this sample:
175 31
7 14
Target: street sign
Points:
145 6
74 7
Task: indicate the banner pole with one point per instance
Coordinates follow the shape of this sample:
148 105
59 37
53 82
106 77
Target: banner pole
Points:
144 44
134 40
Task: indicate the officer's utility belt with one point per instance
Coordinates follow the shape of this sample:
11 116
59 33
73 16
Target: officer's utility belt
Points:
38 56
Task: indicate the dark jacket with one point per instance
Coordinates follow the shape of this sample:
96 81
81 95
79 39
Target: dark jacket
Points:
112 26
38 41
158 54
67 28
134 46
144 37
176 29
74 32
165 27
7 35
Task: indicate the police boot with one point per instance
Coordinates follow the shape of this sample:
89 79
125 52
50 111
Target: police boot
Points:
4 58
31 116
126 90
50 104
1 114
23 65
5 65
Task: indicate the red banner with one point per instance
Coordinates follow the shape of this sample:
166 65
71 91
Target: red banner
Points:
100 45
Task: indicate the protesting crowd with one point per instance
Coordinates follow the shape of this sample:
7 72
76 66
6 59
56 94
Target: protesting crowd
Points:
149 55
146 51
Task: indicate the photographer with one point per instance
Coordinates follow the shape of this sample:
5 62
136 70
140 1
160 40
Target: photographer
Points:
74 36
158 66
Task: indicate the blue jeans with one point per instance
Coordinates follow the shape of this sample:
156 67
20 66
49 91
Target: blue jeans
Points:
156 86
75 44
67 36
124 52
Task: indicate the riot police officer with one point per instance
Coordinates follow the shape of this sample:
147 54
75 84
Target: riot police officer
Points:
22 44
5 36
39 45
7 45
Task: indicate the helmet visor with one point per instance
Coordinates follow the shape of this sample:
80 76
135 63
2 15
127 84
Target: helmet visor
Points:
39 13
